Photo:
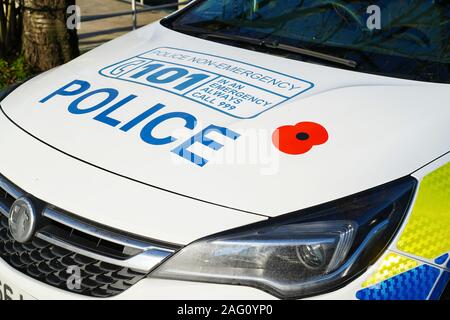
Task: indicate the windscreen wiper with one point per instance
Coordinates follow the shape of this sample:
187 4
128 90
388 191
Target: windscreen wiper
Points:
284 47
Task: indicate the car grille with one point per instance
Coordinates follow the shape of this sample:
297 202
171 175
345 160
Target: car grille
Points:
50 264
75 255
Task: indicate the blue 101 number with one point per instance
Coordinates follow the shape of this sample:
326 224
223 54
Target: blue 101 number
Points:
158 73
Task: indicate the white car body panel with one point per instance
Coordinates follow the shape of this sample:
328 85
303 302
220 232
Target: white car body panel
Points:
107 198
160 289
362 137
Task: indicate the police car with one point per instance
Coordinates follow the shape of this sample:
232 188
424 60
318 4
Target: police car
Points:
236 150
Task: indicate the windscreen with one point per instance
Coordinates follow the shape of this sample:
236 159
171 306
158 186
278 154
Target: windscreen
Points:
397 38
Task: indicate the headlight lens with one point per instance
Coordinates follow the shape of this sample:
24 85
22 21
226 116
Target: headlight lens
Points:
302 253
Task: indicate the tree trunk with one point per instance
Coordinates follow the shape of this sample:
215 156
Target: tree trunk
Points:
46 41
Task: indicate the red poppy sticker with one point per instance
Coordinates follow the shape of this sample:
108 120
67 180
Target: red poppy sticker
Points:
299 138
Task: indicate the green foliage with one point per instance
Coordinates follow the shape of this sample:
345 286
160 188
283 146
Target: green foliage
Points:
13 71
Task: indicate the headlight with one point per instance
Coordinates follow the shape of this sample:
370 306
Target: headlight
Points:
299 254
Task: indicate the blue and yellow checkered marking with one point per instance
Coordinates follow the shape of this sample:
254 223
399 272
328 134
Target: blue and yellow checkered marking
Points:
414 284
391 265
441 259
427 231
440 286
426 235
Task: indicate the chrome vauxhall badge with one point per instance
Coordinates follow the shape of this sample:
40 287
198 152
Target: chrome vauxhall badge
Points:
22 220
